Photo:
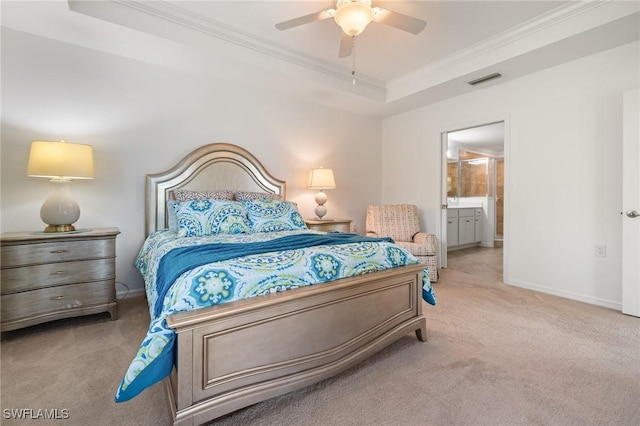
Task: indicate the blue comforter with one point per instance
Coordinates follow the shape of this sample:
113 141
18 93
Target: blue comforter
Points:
188 273
180 260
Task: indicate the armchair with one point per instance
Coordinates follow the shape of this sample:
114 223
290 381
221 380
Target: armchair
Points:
400 222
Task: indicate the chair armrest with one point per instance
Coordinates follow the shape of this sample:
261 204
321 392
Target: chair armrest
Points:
426 239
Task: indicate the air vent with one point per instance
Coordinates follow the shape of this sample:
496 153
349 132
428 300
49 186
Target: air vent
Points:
485 78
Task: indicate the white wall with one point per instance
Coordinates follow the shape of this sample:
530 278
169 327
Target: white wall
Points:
563 169
143 118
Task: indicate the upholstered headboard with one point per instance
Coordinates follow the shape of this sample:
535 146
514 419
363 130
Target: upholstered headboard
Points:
213 167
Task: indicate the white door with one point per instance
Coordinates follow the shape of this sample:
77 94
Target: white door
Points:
631 204
445 226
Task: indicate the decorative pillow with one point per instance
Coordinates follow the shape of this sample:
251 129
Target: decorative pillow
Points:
211 217
273 215
247 196
188 195
172 218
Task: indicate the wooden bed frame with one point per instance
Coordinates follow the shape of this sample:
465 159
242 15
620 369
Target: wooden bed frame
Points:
233 355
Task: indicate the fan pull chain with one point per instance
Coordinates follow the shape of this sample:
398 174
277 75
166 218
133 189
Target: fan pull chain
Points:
353 57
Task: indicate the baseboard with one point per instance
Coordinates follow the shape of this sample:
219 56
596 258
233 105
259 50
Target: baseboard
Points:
463 246
126 293
611 304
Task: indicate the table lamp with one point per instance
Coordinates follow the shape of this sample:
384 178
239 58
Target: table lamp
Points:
61 162
321 179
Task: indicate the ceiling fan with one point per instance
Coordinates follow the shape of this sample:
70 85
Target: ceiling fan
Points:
353 16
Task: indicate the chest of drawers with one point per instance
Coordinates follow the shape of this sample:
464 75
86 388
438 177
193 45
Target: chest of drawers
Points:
44 277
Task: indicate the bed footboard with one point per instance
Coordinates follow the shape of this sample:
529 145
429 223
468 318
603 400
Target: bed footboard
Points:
233 355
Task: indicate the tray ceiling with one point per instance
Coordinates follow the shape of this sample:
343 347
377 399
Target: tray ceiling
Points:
395 70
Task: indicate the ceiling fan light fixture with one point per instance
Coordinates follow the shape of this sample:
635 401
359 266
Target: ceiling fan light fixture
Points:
353 16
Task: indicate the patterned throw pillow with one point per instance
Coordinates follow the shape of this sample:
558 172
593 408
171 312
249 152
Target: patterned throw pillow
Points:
211 217
172 219
273 215
248 196
188 195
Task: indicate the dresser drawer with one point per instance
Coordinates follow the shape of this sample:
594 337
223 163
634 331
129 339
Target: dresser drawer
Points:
333 225
50 276
53 274
31 254
53 299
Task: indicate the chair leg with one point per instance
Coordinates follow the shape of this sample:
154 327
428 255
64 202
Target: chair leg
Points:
432 264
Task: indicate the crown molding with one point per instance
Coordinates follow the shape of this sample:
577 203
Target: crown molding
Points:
173 13
533 34
171 21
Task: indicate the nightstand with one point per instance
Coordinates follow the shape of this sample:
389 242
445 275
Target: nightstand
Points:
342 225
59 275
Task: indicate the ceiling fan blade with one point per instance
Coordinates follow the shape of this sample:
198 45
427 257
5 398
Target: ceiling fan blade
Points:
318 16
346 45
398 20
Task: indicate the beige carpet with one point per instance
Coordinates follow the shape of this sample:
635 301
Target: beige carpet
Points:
496 355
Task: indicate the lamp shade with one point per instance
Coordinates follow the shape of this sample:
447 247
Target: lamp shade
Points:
353 16
321 179
60 160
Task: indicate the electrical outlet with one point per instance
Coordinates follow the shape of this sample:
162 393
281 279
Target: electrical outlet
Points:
600 250
355 228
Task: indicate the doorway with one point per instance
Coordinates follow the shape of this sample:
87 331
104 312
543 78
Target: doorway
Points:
474 184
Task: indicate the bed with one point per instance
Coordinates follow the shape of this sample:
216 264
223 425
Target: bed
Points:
235 354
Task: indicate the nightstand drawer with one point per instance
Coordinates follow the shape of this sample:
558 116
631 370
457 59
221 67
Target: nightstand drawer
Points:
31 254
54 274
333 225
54 299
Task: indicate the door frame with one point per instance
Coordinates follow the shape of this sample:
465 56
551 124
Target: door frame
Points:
442 254
630 201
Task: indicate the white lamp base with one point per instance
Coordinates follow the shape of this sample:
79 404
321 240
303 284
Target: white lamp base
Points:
60 211
320 210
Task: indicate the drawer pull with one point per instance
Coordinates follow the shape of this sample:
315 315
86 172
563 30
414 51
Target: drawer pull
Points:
60 297
58 251
58 273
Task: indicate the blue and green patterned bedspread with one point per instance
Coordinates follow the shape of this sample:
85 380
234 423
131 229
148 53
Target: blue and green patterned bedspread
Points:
187 273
